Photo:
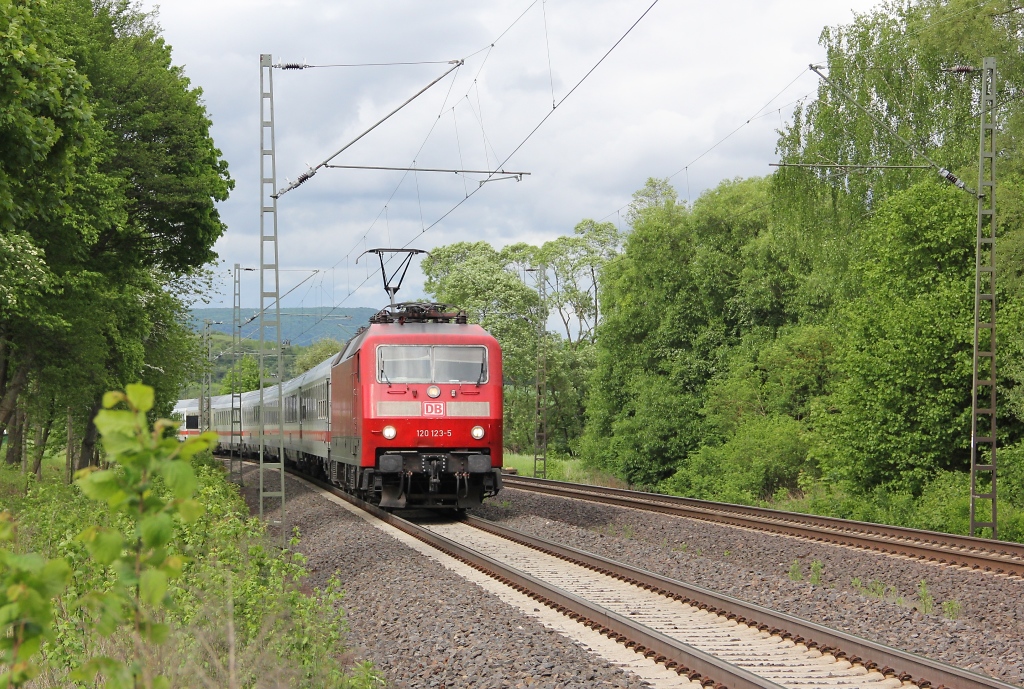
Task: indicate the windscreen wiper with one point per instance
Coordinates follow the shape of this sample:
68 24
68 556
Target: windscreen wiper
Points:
483 370
385 376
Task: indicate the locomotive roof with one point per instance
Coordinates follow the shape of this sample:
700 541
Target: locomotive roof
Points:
426 328
388 329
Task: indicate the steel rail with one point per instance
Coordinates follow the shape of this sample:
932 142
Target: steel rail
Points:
1000 557
906 666
682 657
687 660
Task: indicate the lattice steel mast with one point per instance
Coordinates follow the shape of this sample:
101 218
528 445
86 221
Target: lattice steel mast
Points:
235 460
984 382
270 292
540 430
205 422
983 397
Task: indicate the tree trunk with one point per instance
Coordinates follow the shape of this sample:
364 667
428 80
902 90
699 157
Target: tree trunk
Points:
42 436
8 403
89 440
4 361
69 450
17 430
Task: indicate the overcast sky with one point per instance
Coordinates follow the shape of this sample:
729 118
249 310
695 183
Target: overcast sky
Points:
686 76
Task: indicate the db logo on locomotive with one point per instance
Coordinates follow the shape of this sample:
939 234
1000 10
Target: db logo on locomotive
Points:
433 409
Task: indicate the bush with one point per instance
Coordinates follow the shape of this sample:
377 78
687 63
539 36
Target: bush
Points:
766 454
944 505
234 614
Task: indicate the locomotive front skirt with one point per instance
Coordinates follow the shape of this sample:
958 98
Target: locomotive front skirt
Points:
408 414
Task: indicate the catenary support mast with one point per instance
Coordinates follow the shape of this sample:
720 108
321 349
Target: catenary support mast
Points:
205 420
983 398
540 432
235 461
270 417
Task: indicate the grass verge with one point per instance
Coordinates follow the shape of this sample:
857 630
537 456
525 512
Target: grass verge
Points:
240 615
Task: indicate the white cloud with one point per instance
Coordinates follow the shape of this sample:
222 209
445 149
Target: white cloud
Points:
688 75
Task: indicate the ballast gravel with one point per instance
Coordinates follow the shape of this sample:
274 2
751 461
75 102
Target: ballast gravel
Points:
964 618
422 625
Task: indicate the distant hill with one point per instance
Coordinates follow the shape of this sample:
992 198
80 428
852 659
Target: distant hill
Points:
298 326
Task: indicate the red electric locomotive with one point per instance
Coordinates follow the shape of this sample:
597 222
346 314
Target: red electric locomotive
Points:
416 410
409 414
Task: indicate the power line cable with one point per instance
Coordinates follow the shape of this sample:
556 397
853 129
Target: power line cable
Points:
515 150
547 44
869 51
686 168
489 48
304 177
304 65
918 151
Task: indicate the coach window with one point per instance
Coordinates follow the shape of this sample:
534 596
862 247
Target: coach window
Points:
191 422
460 364
403 364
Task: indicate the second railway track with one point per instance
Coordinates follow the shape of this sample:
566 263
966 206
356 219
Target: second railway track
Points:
708 638
999 557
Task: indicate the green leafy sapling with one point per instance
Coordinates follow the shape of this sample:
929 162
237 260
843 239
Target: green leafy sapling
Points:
27 585
150 485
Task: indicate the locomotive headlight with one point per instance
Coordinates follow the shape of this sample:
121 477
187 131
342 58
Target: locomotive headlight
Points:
433 391
477 432
390 432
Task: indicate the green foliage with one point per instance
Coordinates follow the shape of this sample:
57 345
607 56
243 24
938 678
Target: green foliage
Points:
108 184
155 128
812 331
925 600
816 570
45 116
795 571
315 354
901 406
247 378
235 593
28 583
672 302
140 558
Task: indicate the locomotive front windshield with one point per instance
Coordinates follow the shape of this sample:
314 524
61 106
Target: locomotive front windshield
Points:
431 364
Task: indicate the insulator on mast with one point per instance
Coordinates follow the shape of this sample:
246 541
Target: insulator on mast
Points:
961 69
951 178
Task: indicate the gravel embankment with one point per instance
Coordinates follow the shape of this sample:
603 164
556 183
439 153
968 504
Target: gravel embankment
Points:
987 635
422 625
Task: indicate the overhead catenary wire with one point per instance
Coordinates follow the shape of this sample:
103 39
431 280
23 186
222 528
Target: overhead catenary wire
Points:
305 65
304 177
943 172
457 171
515 150
547 44
686 168
875 48
488 48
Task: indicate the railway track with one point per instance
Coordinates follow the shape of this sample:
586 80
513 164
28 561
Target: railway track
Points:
706 637
998 557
